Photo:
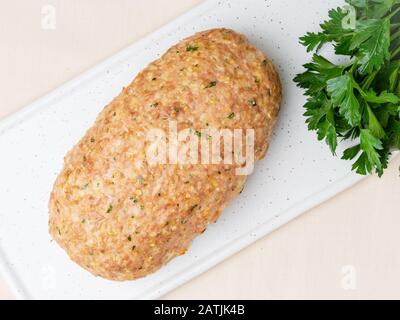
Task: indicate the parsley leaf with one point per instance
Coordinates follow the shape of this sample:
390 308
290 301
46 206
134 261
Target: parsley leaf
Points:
370 144
351 153
372 39
374 125
332 31
341 90
327 131
384 97
319 71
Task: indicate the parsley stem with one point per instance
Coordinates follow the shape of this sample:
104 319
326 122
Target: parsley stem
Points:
368 81
396 52
395 35
353 66
394 27
356 85
394 13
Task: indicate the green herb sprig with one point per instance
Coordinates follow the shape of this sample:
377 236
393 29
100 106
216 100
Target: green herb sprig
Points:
357 100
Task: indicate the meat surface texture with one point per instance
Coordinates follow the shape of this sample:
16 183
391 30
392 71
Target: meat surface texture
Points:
121 218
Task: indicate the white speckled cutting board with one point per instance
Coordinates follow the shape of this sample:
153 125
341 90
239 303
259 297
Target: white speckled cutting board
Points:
298 173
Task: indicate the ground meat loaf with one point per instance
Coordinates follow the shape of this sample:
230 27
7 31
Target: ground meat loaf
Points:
120 217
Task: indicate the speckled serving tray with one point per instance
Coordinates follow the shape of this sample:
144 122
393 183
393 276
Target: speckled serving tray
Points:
297 174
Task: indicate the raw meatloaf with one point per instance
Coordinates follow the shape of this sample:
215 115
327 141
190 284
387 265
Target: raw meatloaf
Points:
120 217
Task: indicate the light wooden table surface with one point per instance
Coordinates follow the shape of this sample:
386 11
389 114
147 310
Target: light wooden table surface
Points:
346 248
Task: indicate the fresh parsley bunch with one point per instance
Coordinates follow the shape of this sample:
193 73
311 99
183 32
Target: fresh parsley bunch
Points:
358 100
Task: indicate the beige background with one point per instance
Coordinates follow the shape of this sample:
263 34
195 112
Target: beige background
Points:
305 259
